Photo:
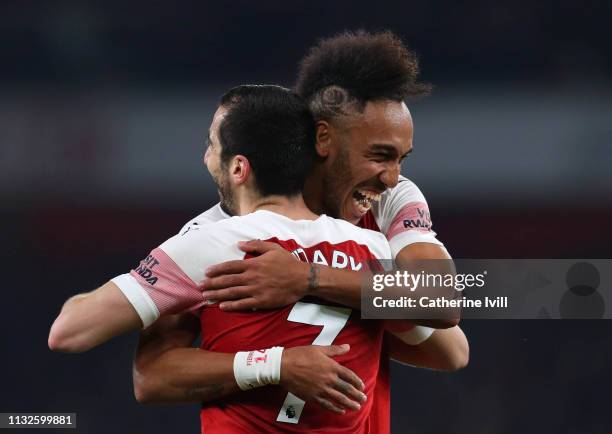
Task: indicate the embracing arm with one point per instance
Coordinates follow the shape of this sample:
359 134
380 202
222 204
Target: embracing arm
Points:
87 320
275 278
167 369
344 286
444 350
439 258
447 348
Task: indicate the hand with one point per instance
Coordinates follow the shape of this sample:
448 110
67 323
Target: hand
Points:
273 279
310 373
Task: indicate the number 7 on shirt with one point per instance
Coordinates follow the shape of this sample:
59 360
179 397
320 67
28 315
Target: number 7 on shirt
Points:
333 319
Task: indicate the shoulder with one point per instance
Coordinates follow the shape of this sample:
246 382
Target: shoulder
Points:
341 230
230 229
212 215
206 243
195 250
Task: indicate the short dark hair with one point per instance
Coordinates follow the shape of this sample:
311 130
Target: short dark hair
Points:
346 71
274 129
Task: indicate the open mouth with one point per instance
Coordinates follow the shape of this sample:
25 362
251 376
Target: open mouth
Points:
363 199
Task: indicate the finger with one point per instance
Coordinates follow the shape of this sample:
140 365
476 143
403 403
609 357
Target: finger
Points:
227 267
350 377
350 391
341 400
226 294
336 350
258 246
329 406
243 304
224 282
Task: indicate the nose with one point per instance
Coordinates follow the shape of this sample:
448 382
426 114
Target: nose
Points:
390 175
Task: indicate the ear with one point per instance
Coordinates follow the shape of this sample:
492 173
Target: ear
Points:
323 138
240 169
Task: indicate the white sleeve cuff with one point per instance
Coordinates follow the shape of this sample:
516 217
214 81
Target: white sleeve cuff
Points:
404 239
138 298
416 336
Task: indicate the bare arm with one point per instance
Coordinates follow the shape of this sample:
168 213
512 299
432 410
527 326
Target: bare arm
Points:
264 280
445 350
87 320
168 369
344 286
444 264
276 278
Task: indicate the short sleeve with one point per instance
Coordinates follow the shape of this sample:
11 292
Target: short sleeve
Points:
403 216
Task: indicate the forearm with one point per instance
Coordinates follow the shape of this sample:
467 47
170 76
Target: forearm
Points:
435 260
345 287
167 369
336 285
445 350
274 278
185 375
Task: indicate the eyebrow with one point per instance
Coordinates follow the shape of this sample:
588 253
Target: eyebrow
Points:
389 149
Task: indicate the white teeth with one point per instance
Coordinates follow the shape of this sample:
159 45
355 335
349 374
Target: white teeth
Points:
370 195
363 206
364 198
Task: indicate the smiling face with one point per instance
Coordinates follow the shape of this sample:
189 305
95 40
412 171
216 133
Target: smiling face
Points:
365 153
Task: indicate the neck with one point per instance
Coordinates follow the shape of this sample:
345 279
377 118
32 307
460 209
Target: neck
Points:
292 207
313 190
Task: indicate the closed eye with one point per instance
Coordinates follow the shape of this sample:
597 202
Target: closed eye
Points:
382 153
403 157
382 157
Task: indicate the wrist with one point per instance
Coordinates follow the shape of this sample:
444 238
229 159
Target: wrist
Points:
258 367
314 271
285 371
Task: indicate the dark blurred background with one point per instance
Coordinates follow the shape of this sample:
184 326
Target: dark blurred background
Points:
104 107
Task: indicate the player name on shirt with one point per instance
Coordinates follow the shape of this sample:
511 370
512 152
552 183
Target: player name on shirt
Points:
339 259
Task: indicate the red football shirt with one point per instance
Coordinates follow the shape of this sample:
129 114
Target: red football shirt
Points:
311 321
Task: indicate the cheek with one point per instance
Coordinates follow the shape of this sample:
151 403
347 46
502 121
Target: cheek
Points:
367 169
206 155
214 168
341 173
